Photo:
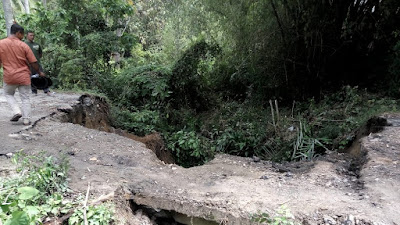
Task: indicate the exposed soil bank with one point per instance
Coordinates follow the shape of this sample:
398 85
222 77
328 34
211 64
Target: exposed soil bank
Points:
228 189
93 112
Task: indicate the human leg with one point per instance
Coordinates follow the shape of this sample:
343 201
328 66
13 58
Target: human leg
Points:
34 89
9 91
24 93
33 74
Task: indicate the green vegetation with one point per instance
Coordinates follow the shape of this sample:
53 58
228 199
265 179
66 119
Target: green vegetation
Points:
37 192
209 75
282 217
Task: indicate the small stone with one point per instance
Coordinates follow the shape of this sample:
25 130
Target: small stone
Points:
65 108
289 174
15 136
347 222
87 101
351 219
174 168
93 159
256 159
264 177
9 155
329 220
26 137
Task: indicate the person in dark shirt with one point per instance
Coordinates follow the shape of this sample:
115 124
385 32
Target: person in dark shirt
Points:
37 51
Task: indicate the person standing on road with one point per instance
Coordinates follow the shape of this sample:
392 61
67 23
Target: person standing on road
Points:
37 51
14 57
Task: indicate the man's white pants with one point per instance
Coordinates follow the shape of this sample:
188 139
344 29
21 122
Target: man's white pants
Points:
24 93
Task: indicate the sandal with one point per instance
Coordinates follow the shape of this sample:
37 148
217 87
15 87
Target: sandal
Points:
16 117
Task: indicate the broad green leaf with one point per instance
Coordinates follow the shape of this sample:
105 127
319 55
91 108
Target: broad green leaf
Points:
73 220
32 210
55 210
4 208
18 218
27 192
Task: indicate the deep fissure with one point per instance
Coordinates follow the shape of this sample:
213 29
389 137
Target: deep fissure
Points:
169 217
93 112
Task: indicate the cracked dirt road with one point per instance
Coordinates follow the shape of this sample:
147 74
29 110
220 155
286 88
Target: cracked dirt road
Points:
334 189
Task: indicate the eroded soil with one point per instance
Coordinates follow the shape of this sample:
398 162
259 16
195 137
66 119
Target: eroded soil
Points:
339 188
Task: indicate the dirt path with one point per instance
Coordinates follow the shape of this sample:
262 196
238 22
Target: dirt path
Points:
335 189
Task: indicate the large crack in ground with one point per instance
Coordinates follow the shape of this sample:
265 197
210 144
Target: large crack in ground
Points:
229 189
93 112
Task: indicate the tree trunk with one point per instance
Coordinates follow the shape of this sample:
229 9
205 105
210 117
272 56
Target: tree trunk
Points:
44 2
116 55
8 15
26 6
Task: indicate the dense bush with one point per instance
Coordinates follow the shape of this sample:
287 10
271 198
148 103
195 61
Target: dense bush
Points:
338 116
188 82
38 192
144 86
139 122
64 66
393 80
235 128
189 148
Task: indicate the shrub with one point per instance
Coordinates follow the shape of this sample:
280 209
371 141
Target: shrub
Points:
190 148
189 83
338 115
140 122
101 215
306 147
65 66
37 191
393 80
238 129
140 87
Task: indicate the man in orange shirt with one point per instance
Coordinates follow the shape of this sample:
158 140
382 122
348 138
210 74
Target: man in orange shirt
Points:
14 57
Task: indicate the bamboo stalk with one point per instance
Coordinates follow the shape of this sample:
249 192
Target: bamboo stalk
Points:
272 114
294 103
277 112
85 205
